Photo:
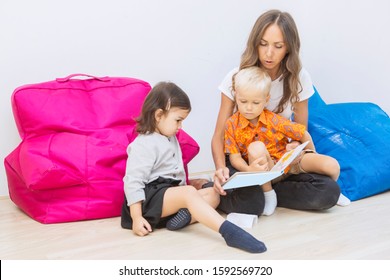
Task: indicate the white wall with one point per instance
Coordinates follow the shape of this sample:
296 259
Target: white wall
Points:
345 47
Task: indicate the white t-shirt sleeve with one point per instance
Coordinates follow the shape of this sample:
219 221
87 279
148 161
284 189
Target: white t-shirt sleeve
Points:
307 85
226 85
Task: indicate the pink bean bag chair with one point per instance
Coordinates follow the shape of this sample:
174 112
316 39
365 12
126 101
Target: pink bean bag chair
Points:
71 161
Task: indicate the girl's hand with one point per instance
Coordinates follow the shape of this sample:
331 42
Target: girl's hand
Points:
141 226
220 177
198 183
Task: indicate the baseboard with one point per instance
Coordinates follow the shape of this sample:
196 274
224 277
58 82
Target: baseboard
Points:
202 175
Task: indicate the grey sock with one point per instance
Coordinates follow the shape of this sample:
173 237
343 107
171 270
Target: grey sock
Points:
239 238
180 220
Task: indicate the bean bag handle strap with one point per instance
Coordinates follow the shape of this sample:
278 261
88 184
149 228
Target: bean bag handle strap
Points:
66 79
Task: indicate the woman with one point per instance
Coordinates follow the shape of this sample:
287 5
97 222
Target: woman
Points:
273 45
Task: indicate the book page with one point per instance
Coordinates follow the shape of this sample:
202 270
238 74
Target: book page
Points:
246 179
289 157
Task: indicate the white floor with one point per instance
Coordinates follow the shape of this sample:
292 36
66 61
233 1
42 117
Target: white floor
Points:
360 231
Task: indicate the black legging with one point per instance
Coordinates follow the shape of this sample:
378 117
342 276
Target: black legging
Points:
306 191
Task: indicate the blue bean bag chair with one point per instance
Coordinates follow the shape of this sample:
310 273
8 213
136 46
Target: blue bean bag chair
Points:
358 136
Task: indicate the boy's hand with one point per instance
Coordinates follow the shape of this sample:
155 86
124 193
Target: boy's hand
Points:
292 145
260 164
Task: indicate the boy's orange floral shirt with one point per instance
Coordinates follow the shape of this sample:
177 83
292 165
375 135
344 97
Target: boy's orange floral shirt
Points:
271 129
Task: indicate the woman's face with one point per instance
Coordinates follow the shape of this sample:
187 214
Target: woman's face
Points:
272 50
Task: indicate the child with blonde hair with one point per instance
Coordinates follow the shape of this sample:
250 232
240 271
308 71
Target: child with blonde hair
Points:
256 138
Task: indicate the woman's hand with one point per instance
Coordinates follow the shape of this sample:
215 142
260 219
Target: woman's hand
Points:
220 177
141 226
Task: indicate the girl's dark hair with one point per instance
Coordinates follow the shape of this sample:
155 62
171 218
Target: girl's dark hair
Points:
164 95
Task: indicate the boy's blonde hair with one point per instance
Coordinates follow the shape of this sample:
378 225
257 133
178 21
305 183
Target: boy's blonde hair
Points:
252 77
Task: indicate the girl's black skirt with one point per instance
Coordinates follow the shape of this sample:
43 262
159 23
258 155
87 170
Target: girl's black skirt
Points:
152 205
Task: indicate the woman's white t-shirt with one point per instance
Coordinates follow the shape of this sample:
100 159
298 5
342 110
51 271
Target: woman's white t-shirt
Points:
276 91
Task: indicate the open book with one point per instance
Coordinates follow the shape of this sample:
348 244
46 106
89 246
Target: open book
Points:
245 179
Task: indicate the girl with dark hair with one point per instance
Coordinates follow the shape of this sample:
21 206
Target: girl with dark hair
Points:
155 191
